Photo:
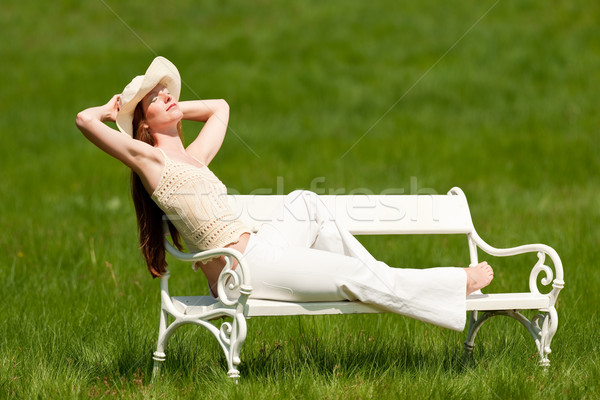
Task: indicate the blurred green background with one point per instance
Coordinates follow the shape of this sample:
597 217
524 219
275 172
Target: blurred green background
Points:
499 98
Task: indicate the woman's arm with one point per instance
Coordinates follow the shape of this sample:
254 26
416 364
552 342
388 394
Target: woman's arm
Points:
215 114
119 145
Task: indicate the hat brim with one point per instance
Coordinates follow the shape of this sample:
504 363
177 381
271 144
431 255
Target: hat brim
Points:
161 71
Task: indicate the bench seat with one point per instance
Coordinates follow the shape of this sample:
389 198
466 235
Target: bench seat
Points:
195 305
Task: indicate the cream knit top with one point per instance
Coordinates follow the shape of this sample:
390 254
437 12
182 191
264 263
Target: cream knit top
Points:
195 201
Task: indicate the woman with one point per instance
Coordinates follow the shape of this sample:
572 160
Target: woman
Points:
303 255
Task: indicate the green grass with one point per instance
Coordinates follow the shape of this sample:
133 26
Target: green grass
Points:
510 114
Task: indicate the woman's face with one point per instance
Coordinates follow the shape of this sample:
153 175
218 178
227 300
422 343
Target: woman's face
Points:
161 109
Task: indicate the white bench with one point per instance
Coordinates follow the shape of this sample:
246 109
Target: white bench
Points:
361 215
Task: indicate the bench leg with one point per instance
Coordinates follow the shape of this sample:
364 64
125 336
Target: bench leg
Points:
474 325
547 331
542 335
159 358
159 355
231 337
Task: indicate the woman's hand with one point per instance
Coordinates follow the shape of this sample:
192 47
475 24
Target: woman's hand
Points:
110 109
105 113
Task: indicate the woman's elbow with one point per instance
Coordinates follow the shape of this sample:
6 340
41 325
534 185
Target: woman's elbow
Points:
84 122
82 119
223 105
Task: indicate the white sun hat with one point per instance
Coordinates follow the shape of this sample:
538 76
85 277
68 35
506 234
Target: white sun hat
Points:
161 71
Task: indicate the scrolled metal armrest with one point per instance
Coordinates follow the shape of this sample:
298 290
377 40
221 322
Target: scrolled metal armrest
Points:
231 280
542 251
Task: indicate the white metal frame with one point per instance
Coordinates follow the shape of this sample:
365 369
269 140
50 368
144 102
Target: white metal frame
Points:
548 317
234 289
230 336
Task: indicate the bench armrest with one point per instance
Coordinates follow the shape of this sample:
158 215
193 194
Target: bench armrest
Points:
542 251
233 285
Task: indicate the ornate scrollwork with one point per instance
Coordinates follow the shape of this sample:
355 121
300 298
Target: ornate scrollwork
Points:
229 284
231 335
535 321
225 332
537 269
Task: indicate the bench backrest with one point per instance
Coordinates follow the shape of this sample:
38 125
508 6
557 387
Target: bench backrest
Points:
373 214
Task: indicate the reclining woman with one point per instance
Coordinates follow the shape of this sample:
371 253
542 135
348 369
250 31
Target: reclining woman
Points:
302 255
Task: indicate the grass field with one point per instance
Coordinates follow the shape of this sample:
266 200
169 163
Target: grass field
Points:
499 98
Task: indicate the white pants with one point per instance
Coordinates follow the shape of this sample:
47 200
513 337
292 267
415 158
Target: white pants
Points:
304 255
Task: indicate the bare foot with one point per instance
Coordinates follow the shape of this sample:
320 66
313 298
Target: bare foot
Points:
478 277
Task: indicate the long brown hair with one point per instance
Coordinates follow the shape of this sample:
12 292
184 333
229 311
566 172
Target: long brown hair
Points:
149 215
